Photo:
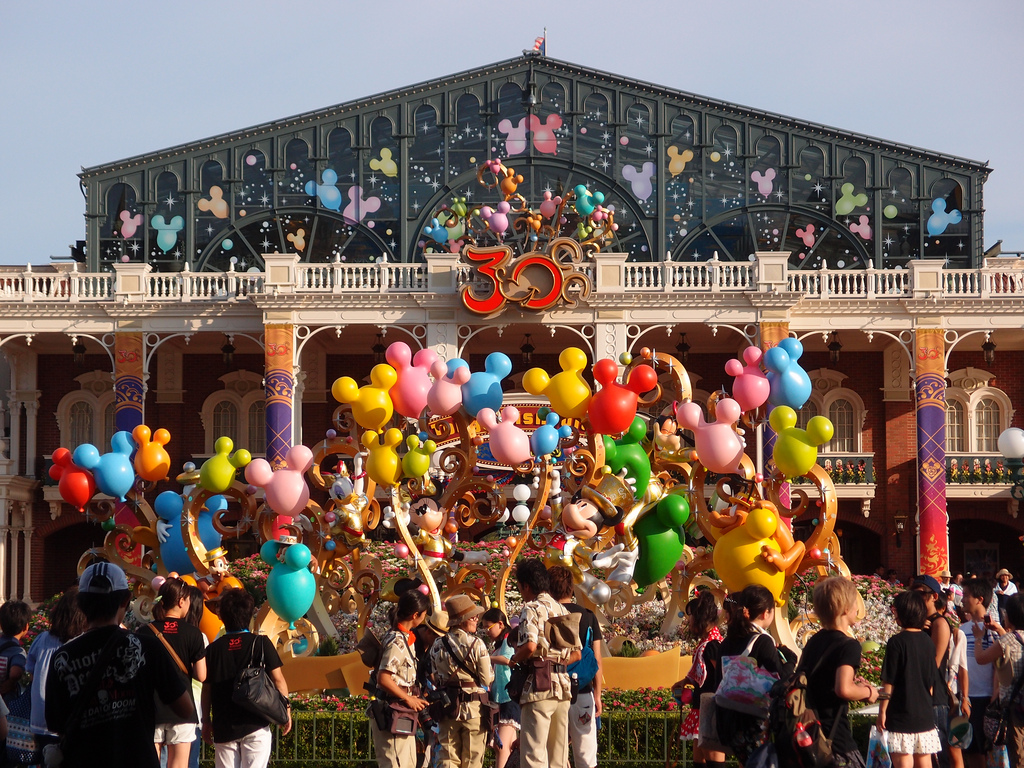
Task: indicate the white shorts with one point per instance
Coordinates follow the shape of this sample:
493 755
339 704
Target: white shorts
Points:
175 733
924 743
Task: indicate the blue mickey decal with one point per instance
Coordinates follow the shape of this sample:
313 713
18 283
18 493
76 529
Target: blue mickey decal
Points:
167 232
328 192
940 219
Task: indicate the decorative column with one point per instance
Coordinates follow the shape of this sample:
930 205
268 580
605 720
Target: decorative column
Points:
772 332
26 591
930 391
14 406
4 529
128 382
280 387
13 542
31 422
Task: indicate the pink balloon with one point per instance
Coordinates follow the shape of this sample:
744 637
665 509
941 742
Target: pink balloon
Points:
158 581
409 394
509 444
424 589
286 491
719 448
750 388
401 550
445 395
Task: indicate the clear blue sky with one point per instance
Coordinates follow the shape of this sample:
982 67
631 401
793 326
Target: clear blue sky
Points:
85 83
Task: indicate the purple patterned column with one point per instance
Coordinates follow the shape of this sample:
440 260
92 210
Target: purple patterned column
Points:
930 391
280 387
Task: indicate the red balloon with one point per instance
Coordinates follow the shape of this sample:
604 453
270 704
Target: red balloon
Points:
613 408
815 553
76 485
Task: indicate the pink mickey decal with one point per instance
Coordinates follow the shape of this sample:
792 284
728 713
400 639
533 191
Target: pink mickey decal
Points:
496 219
358 208
807 235
129 223
409 394
862 227
445 395
549 206
750 386
515 138
285 490
640 180
719 448
544 140
509 444
764 181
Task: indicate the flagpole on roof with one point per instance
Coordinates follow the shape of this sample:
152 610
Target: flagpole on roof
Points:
544 48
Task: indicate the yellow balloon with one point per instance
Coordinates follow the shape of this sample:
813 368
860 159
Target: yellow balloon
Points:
738 559
796 450
568 391
371 405
218 472
383 465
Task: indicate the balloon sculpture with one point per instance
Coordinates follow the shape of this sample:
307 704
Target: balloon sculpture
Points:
637 489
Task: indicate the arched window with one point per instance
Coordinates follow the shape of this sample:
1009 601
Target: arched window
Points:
844 438
987 425
805 414
238 411
956 433
225 420
86 415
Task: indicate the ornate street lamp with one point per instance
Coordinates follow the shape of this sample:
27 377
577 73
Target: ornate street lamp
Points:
682 349
527 350
78 353
834 348
227 352
379 349
989 350
1011 445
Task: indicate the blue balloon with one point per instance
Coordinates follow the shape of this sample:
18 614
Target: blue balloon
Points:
290 585
169 506
208 533
483 390
454 364
545 438
113 471
789 383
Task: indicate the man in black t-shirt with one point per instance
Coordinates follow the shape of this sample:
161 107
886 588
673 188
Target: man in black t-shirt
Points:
114 727
583 713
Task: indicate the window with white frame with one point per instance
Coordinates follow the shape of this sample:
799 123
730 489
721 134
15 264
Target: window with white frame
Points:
976 412
844 436
238 411
86 415
805 414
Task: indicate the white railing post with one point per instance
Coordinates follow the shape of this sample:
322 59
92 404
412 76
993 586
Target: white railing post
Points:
442 272
772 271
926 279
282 272
131 281
610 272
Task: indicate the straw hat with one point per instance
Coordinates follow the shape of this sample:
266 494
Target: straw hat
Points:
462 608
1004 572
437 623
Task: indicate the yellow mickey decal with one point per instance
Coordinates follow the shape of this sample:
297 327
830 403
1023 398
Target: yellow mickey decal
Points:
371 405
568 391
383 465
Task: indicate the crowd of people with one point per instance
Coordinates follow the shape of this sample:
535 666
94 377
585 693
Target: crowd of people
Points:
103 696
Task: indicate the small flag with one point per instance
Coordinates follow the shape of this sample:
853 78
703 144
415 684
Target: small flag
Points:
540 44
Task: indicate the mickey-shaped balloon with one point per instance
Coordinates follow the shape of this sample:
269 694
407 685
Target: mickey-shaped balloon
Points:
416 463
285 490
750 387
509 444
445 395
291 586
747 554
796 450
218 472
409 394
76 485
567 391
719 448
169 507
371 405
613 407
113 471
790 384
628 454
585 201
152 462
383 465
660 537
483 390
545 438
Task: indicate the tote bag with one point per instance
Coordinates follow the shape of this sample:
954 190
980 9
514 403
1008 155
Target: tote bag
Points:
745 686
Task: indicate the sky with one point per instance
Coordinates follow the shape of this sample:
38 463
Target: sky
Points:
87 83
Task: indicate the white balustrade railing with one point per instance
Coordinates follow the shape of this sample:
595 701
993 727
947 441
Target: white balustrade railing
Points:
999 278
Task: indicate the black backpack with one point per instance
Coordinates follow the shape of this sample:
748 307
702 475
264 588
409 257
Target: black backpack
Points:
790 711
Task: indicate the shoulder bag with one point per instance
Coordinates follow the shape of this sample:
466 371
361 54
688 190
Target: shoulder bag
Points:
255 692
997 714
174 656
488 709
586 668
745 686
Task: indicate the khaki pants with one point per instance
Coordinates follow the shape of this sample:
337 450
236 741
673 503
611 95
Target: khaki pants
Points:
462 743
393 751
544 737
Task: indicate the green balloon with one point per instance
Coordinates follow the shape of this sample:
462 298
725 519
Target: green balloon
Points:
890 211
627 453
660 538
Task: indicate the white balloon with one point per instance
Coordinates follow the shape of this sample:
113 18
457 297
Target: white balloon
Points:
521 493
521 513
504 516
601 593
1011 443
